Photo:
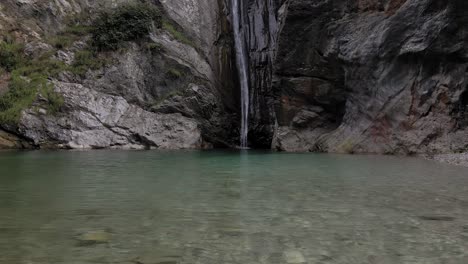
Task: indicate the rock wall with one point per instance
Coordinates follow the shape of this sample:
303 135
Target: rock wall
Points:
174 97
262 21
386 76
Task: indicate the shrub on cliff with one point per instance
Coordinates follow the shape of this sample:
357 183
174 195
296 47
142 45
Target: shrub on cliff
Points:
11 55
124 23
29 76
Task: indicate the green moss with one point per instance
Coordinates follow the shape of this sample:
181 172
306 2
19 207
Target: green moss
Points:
125 23
176 33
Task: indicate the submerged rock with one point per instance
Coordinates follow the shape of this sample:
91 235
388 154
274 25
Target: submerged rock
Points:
294 256
93 237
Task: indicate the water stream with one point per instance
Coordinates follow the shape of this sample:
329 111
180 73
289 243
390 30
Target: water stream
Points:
242 67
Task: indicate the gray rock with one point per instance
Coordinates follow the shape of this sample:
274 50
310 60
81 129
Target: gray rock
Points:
97 120
390 76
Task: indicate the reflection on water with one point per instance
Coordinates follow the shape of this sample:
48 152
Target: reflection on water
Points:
229 208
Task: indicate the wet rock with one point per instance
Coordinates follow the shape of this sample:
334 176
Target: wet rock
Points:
11 141
293 256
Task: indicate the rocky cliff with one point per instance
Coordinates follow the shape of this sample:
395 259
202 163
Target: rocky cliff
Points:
168 90
373 76
378 76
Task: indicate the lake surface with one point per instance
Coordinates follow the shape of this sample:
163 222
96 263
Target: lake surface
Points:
213 207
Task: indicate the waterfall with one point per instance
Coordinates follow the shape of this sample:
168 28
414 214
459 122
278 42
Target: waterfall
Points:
242 67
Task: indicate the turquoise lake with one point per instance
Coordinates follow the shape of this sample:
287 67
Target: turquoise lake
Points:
229 207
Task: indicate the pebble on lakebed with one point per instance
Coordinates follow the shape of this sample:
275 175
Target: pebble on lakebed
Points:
93 237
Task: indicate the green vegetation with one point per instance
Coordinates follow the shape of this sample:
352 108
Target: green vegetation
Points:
154 47
108 31
70 35
11 54
86 60
45 66
176 33
21 95
28 78
55 100
125 23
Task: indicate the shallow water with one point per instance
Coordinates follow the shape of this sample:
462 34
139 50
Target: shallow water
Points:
229 207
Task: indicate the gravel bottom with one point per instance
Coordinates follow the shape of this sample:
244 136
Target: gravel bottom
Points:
460 159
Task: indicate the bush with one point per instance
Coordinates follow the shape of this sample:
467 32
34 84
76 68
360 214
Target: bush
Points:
11 55
45 66
55 100
61 41
21 95
86 60
125 23
28 77
74 31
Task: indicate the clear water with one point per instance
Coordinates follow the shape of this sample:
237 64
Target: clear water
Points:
242 67
230 207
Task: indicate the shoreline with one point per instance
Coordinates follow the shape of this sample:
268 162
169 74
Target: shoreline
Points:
457 159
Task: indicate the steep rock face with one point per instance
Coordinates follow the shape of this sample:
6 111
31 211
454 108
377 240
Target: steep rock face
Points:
373 76
262 21
91 119
175 92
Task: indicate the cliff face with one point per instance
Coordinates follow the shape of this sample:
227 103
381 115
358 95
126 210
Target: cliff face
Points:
379 76
373 76
164 93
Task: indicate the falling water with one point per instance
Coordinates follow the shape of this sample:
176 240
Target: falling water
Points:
241 60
